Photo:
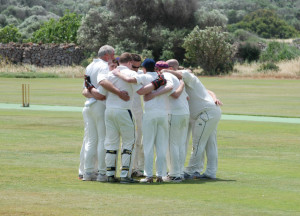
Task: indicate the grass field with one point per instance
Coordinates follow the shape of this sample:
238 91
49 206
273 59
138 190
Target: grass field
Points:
258 174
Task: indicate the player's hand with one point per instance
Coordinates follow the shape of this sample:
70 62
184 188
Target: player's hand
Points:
116 72
148 97
124 95
159 82
218 102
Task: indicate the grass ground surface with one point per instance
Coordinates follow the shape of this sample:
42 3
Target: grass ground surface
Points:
258 161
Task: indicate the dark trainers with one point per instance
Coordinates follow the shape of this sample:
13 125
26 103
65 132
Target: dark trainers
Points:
112 179
196 175
80 177
125 180
187 176
159 179
137 173
147 180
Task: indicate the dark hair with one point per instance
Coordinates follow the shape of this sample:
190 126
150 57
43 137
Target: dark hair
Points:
149 69
115 61
125 57
136 57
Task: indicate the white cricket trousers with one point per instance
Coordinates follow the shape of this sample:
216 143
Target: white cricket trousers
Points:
155 134
138 159
85 140
96 136
204 135
177 140
119 123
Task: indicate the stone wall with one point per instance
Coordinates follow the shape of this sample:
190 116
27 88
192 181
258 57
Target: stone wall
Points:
42 54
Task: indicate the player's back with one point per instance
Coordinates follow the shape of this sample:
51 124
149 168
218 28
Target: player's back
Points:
159 104
113 101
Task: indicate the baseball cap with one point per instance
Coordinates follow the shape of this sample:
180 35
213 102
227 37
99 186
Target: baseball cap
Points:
148 63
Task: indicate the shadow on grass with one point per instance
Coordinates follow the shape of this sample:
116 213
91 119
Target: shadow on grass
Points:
185 182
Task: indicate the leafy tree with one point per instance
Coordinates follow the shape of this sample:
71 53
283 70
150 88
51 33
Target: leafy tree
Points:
266 24
209 49
210 19
96 28
62 31
9 34
169 13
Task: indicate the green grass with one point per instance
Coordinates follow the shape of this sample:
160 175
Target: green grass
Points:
258 173
240 96
258 162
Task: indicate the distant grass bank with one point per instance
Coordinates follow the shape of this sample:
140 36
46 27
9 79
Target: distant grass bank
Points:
287 70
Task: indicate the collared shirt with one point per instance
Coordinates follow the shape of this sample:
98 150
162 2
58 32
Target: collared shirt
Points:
159 104
200 99
112 100
178 106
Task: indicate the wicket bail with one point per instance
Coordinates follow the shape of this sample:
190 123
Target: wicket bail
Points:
25 95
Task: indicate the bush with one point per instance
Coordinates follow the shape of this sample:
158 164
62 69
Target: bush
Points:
269 66
209 49
9 34
249 51
210 18
266 24
276 52
62 31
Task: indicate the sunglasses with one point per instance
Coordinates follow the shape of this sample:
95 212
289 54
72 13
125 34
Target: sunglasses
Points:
135 66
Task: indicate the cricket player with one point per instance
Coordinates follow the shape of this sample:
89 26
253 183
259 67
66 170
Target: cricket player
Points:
120 123
155 119
95 117
137 110
205 113
178 125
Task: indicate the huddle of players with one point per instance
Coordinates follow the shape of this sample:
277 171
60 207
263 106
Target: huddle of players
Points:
176 104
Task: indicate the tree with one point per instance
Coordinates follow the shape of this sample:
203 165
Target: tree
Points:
266 24
209 49
62 31
9 34
210 19
96 28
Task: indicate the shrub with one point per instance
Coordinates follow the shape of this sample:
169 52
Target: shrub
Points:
210 18
9 34
269 66
62 31
209 49
249 51
266 24
276 52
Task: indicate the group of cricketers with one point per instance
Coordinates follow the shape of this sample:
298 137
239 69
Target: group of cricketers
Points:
155 108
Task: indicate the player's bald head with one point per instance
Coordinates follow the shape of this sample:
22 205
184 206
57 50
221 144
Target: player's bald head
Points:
173 63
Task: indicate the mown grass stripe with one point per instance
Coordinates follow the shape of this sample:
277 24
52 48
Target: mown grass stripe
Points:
224 116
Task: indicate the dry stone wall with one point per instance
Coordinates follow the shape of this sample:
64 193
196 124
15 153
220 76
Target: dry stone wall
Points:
42 54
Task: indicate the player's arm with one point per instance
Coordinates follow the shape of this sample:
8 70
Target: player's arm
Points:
177 73
93 93
86 93
110 87
165 89
155 84
124 77
178 91
97 95
216 100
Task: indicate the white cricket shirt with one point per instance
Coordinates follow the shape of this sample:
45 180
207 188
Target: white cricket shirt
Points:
200 99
